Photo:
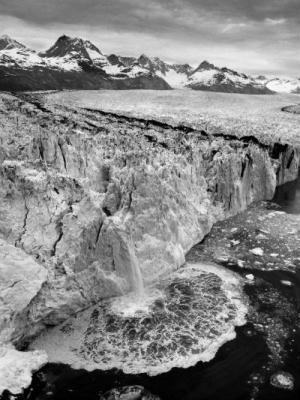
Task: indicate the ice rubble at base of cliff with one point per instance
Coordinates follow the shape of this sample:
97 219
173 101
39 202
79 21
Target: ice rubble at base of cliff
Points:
17 367
185 320
21 278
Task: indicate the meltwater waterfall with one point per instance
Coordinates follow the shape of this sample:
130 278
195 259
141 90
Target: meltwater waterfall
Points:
183 320
136 275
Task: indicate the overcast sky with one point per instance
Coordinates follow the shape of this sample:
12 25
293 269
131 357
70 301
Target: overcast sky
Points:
254 36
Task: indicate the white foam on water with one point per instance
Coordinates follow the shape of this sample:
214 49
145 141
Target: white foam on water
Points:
135 304
183 321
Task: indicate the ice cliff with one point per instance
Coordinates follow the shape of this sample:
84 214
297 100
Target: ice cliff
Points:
88 198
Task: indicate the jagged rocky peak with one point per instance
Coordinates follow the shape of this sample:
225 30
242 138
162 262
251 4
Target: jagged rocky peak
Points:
154 64
149 62
121 61
182 68
234 73
144 60
127 61
114 60
73 47
7 43
205 65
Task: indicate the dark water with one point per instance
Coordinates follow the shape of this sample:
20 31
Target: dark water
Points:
227 376
223 378
287 196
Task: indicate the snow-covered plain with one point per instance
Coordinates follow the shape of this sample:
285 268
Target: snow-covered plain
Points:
237 114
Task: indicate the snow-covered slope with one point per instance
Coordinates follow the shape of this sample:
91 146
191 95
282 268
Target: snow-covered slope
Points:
78 64
174 74
71 63
209 77
284 85
7 43
13 53
75 50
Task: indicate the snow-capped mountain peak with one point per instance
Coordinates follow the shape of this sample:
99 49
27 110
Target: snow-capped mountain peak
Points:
209 77
153 64
75 49
7 43
81 62
205 66
15 54
144 59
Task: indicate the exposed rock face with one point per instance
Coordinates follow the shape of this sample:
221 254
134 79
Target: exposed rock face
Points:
209 77
71 63
95 198
74 63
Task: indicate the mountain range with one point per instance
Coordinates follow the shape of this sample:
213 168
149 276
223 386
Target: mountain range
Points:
74 63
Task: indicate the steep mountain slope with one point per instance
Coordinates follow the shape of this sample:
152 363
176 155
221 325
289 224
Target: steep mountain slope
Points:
205 77
74 63
174 74
209 77
68 64
77 50
7 43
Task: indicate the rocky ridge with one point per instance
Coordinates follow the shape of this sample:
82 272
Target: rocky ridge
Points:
92 196
71 63
74 63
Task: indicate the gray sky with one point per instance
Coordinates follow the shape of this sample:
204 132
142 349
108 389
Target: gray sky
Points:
254 36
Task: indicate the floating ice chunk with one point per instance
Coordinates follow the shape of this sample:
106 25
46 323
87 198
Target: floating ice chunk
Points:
250 277
128 393
257 251
286 283
283 380
16 368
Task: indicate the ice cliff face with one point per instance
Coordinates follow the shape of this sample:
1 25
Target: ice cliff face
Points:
89 197
85 193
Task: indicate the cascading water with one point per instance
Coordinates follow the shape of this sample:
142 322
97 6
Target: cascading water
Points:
183 320
138 300
137 279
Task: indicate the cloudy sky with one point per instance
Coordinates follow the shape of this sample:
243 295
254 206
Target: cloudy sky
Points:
254 36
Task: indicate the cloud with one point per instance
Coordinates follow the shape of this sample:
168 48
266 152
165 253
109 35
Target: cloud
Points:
236 26
271 21
125 12
238 33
